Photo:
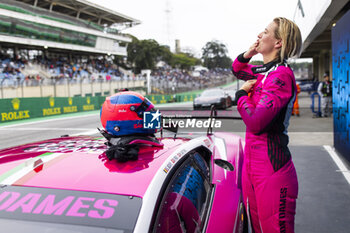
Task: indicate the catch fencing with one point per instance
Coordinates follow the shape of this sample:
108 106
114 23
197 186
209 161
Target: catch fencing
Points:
13 109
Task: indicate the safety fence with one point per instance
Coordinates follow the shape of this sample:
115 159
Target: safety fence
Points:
166 85
66 87
183 97
28 108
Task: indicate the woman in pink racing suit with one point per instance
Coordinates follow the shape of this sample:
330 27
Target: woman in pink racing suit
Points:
265 102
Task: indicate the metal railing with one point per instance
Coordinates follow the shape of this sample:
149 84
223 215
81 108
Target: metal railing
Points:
90 86
166 86
65 87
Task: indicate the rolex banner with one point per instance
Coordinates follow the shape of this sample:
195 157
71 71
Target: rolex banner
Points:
27 108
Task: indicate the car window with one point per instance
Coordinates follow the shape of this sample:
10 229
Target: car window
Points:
184 205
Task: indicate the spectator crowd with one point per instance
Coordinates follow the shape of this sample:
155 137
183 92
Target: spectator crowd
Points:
169 80
10 70
16 71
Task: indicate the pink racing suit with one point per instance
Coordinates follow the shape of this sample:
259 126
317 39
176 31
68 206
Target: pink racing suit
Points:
270 185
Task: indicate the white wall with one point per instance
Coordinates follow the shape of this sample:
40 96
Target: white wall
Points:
71 90
314 10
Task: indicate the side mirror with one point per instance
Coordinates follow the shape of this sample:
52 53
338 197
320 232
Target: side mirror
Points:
224 164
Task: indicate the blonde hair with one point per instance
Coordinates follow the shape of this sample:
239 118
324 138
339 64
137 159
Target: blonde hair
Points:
289 33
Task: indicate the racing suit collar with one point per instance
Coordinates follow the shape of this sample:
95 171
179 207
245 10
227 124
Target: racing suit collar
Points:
265 67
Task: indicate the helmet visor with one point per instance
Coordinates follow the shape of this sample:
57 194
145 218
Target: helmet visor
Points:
145 106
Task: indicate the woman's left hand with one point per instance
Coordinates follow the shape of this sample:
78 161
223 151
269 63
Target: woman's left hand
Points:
248 85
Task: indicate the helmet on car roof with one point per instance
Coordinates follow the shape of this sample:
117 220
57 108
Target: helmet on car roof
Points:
122 114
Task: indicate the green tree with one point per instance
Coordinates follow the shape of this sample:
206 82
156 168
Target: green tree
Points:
300 65
183 61
214 54
256 62
165 54
143 54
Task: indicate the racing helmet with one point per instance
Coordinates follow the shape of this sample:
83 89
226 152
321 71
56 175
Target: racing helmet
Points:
122 114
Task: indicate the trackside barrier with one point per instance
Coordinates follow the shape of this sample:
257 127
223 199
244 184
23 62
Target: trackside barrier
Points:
28 108
186 97
161 99
318 112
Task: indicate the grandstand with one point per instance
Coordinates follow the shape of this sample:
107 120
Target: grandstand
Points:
73 25
69 48
46 42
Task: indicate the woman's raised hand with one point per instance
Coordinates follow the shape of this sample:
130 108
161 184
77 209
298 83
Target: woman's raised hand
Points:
252 50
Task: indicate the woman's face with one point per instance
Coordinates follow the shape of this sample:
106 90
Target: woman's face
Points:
267 42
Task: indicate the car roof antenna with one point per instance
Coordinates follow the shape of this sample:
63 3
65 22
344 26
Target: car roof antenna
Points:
213 113
175 131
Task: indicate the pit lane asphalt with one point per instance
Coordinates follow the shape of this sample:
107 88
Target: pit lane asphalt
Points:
323 205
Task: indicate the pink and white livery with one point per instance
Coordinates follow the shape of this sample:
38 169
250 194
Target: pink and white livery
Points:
68 185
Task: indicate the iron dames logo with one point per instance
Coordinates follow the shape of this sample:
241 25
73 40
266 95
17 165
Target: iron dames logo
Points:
282 210
68 207
152 120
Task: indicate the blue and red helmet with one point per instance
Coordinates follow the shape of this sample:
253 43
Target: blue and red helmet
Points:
122 114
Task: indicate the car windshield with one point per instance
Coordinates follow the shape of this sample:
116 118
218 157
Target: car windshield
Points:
211 93
29 209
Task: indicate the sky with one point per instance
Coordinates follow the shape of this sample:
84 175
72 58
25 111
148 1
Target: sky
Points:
236 23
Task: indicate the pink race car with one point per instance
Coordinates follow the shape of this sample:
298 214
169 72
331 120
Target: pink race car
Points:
68 185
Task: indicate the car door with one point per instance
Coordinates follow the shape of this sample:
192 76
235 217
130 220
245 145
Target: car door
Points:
184 204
